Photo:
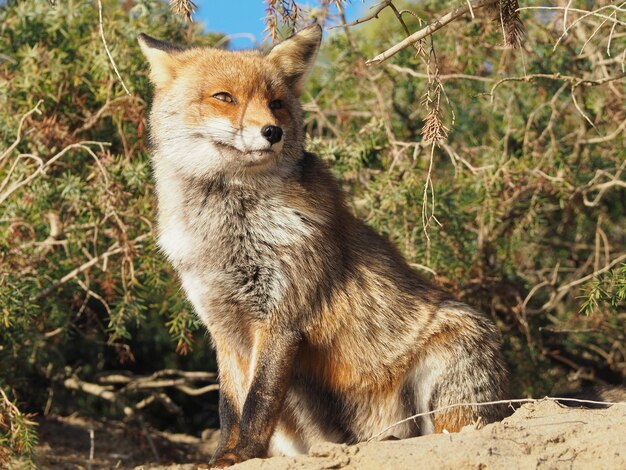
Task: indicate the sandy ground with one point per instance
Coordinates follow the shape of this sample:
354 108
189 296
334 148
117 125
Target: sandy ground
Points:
541 435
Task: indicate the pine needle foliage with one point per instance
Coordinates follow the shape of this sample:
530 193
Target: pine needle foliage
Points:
18 437
80 276
525 193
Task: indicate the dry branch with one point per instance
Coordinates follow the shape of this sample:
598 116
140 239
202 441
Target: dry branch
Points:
377 10
106 48
42 167
181 380
113 250
119 388
18 137
574 81
428 30
450 76
105 393
613 135
586 13
558 293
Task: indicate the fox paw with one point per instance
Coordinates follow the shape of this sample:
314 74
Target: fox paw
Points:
227 460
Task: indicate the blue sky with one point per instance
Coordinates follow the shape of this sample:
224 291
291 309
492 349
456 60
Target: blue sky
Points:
246 16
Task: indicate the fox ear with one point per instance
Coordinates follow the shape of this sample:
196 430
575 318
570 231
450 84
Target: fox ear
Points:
161 56
295 56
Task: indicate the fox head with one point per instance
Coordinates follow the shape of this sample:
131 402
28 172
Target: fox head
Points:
228 112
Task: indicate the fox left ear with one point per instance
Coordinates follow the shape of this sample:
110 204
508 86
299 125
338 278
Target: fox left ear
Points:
162 58
295 56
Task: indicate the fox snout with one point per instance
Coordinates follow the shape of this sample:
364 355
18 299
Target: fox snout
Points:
244 138
273 134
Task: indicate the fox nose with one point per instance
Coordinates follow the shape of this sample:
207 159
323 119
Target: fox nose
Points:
273 134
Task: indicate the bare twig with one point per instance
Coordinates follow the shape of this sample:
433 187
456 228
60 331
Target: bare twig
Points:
92 448
567 7
95 117
18 137
451 76
423 268
608 137
162 379
42 167
569 285
586 13
113 250
615 181
471 10
562 290
109 388
595 31
106 393
428 30
455 157
427 215
575 81
74 383
106 48
122 378
377 9
578 108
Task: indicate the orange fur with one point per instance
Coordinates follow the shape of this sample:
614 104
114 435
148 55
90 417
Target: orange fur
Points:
322 330
453 420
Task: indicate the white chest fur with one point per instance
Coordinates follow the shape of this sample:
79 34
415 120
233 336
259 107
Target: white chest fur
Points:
272 223
221 253
176 240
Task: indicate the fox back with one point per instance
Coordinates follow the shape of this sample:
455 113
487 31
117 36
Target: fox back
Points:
322 330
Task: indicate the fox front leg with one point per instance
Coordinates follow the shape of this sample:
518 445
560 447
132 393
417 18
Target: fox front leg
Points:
273 357
232 393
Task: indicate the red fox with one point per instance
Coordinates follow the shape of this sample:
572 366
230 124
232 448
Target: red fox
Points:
322 330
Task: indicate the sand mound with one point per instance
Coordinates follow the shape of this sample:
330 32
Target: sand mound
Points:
541 435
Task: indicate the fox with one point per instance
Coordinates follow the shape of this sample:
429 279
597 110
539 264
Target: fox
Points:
322 330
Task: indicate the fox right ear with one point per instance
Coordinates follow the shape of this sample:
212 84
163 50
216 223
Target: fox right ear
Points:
295 55
162 58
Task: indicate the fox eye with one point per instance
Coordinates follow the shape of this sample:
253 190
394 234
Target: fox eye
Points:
225 97
276 104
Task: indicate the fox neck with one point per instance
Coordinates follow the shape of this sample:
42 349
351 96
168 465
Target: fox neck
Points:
169 176
181 198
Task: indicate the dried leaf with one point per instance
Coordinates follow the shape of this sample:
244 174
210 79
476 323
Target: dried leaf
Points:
512 26
184 8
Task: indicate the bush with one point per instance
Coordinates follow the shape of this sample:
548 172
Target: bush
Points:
521 209
83 287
